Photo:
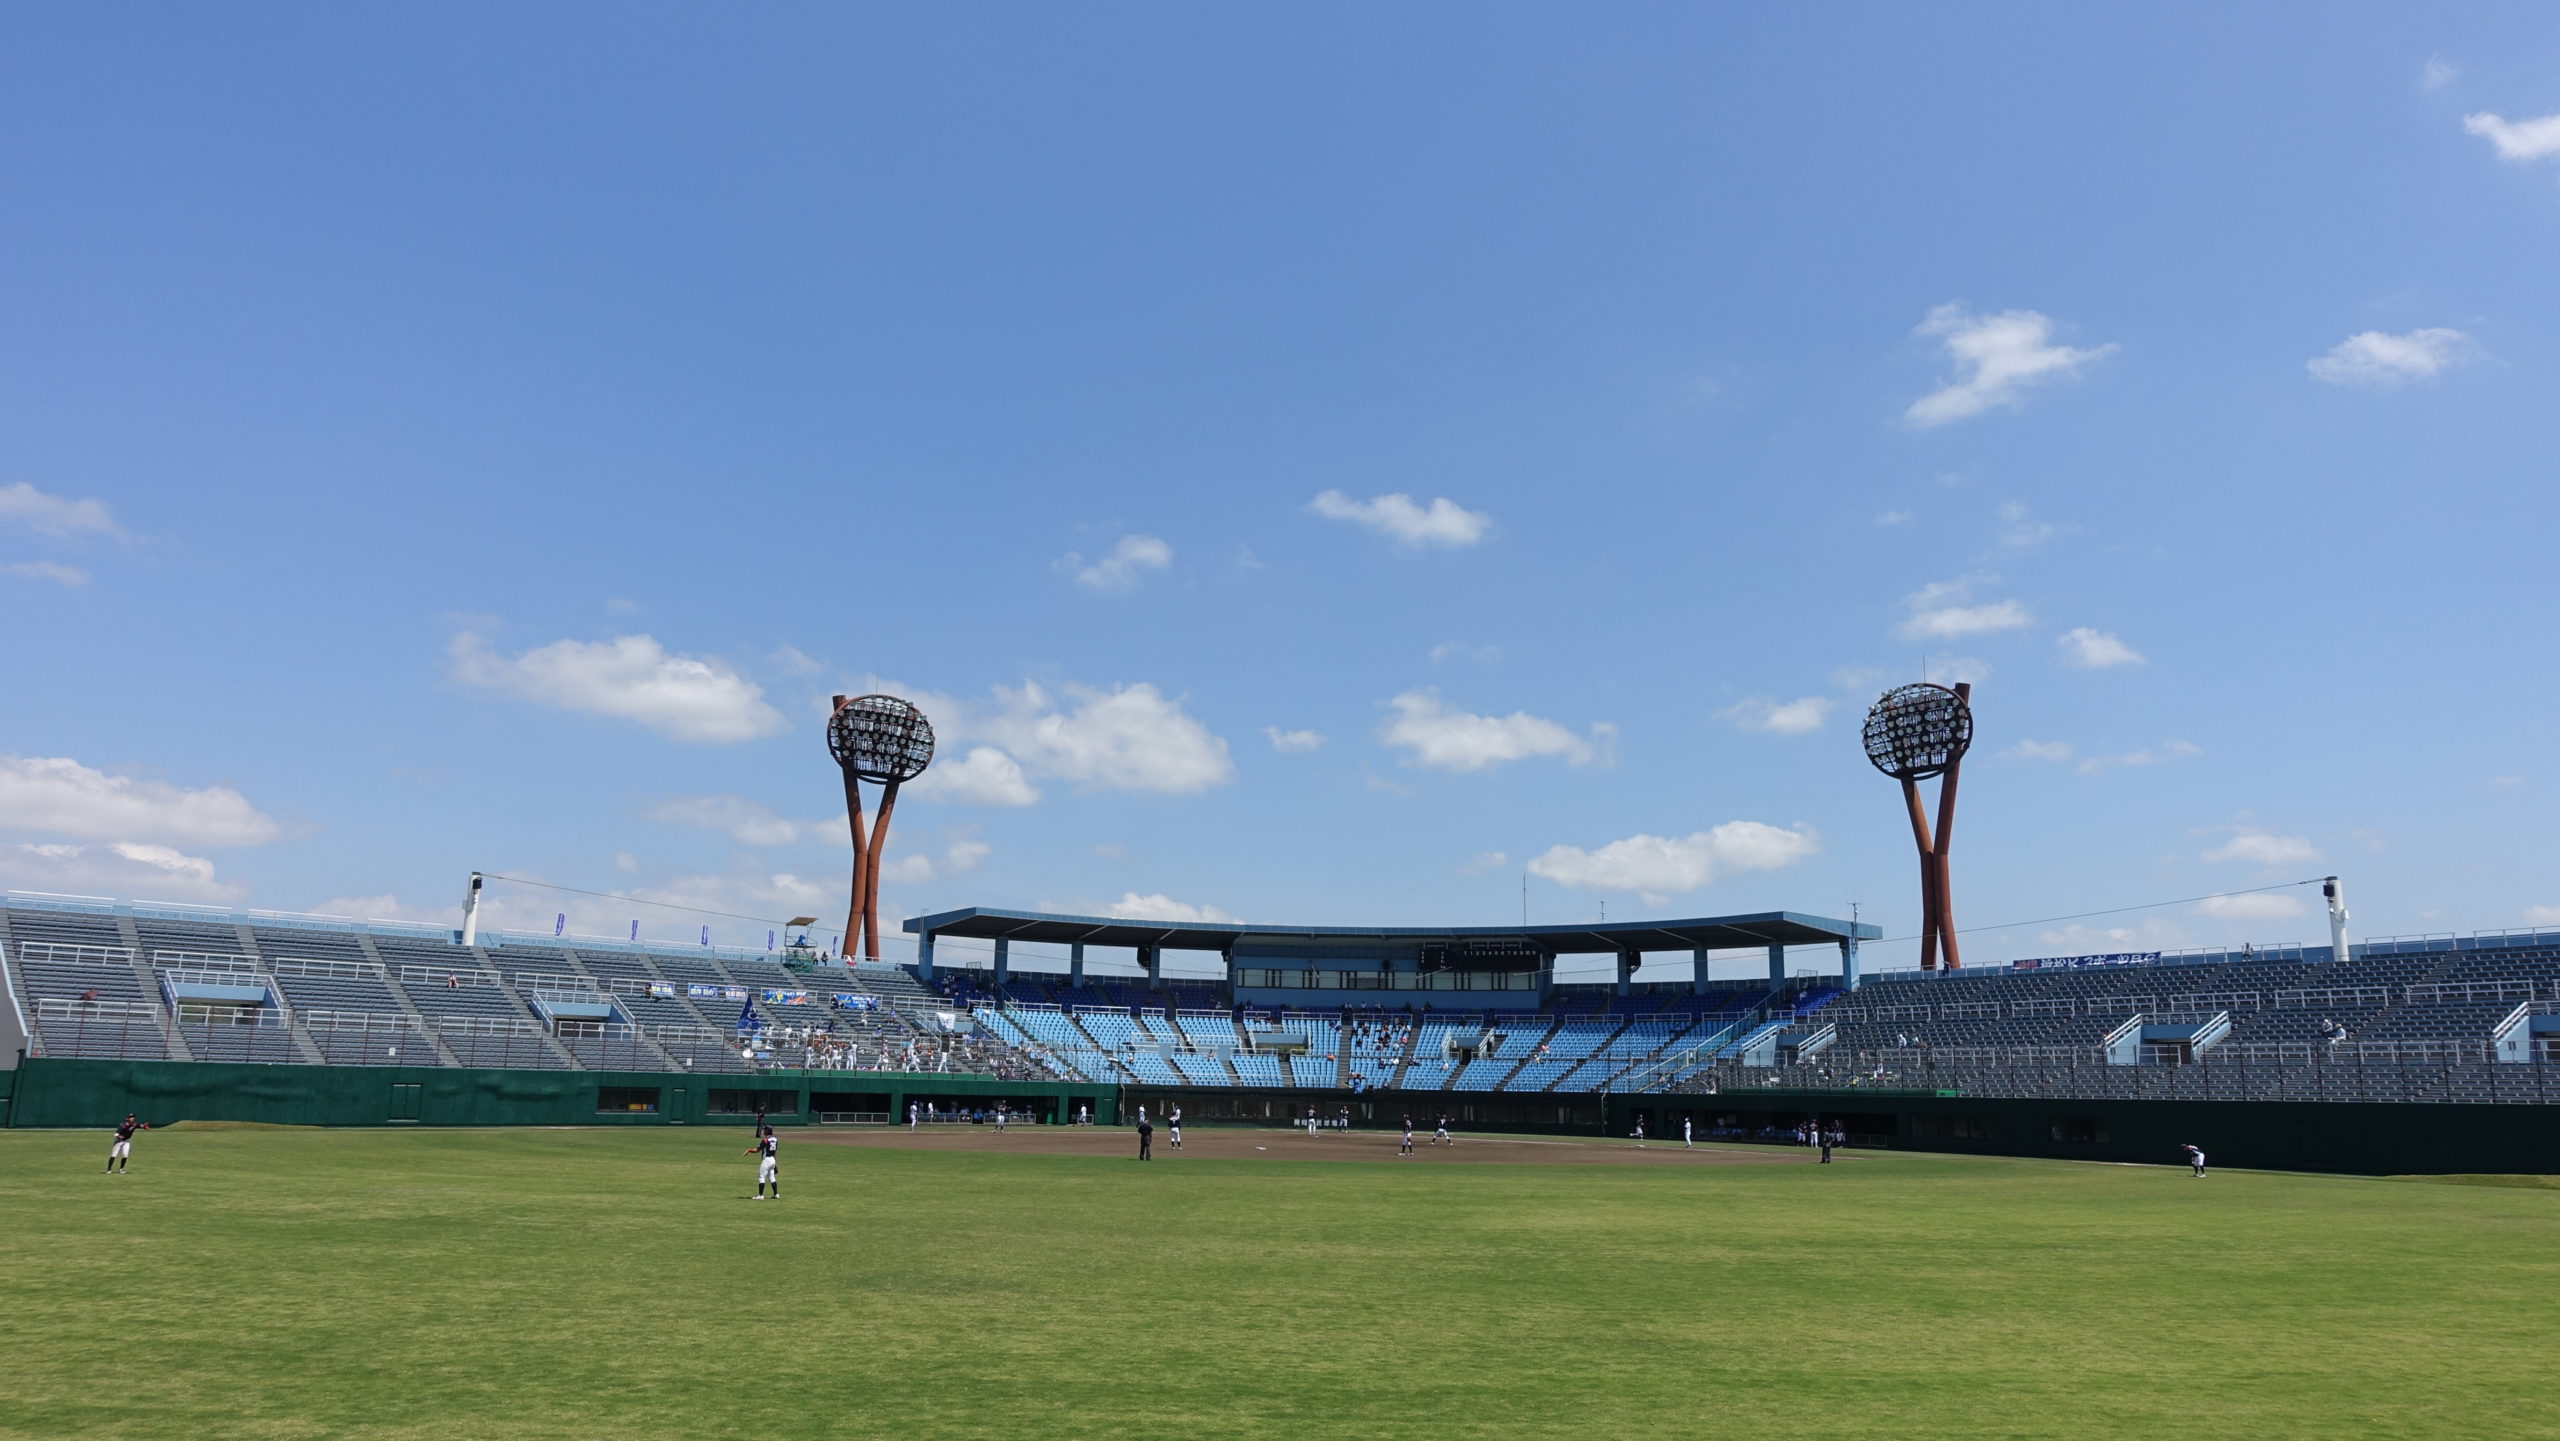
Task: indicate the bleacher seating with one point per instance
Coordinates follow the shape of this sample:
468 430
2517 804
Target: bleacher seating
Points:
2394 1020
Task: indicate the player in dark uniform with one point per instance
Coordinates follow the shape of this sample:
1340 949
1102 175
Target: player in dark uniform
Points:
1146 1138
1440 1137
122 1151
768 1166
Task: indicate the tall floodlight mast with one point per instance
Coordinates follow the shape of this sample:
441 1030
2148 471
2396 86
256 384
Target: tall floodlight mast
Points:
882 739
1915 732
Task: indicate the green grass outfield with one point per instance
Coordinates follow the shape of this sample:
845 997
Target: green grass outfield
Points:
612 1285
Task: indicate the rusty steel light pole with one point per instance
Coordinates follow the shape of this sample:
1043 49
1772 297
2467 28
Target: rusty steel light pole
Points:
882 739
1915 732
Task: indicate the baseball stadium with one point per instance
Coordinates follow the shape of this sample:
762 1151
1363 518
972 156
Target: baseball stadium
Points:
424 1183
1249 722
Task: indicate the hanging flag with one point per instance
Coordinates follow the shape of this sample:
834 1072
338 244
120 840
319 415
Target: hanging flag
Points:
748 1025
635 929
706 935
559 923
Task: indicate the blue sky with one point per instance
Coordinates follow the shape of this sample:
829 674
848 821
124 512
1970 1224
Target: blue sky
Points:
1313 463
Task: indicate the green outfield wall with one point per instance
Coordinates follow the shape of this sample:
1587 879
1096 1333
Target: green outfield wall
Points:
2352 1137
2361 1138
52 1091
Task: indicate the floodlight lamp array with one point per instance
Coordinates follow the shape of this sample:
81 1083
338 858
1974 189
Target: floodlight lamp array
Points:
1918 731
880 738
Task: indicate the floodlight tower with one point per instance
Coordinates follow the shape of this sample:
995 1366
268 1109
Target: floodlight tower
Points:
1915 732
882 739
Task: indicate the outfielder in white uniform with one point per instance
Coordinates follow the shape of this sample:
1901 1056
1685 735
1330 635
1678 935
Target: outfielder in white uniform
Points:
120 1154
768 1172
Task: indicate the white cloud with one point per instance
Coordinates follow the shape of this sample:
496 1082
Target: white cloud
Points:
1292 742
744 821
1443 522
1126 737
118 868
2372 358
1858 678
1160 907
2089 649
1956 669
52 570
1484 861
2040 750
961 857
796 661
2263 848
1786 718
1945 610
1891 518
1451 740
57 796
1996 356
631 677
2517 139
1122 568
1129 738
913 868
984 777
1669 865
23 504
2020 530
2173 750
2438 73
2542 915
2262 906
387 907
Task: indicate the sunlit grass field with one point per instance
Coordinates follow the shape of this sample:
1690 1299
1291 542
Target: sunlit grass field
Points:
617 1284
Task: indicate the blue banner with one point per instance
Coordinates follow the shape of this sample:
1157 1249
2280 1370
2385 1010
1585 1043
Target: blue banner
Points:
786 998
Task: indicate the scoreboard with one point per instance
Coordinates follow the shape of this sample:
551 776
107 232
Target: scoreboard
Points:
1492 955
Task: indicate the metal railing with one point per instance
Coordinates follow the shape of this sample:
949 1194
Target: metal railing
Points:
63 953
314 968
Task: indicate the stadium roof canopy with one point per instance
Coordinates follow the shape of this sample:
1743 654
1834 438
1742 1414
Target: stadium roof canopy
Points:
1778 928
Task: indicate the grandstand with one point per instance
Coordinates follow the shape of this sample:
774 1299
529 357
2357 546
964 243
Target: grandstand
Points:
91 978
1346 1012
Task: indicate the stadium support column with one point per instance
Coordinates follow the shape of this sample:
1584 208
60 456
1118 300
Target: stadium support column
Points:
1152 957
1698 971
1075 964
1848 963
924 957
1627 963
1004 960
1777 965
